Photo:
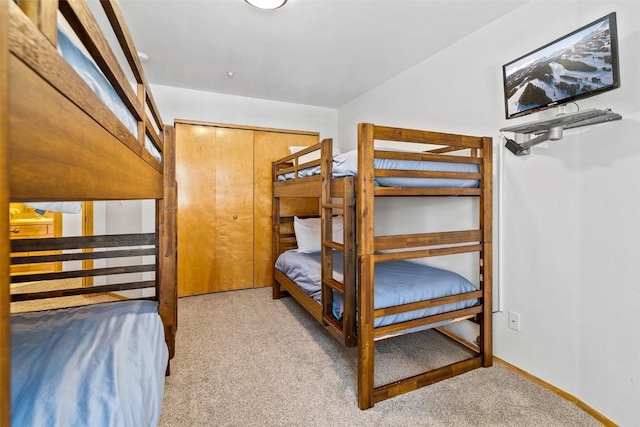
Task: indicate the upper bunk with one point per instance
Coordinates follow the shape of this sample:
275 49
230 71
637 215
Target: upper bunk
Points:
391 162
80 127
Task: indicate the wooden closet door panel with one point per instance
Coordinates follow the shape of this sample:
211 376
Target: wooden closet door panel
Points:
269 146
234 209
196 177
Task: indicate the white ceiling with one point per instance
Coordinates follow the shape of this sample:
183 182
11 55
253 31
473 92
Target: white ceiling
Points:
313 52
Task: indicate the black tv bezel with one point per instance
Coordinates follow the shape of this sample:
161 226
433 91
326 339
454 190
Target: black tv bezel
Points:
615 67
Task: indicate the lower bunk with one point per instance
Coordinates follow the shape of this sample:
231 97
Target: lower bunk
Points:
96 365
407 297
396 283
92 336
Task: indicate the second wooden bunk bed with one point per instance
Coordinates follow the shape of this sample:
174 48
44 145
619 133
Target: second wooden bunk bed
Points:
362 249
59 142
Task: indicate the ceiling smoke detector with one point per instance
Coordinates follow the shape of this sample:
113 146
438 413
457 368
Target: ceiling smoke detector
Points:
143 57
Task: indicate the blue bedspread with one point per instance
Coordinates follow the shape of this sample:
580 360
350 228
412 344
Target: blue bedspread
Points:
99 365
396 282
346 164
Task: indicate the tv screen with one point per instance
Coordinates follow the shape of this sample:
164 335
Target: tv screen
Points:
581 64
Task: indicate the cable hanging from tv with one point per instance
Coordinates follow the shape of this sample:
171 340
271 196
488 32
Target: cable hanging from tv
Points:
552 129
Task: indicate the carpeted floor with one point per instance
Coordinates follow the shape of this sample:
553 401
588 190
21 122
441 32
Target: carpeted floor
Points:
243 359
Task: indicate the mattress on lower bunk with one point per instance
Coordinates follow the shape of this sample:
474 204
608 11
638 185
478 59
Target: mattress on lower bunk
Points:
346 164
98 365
396 283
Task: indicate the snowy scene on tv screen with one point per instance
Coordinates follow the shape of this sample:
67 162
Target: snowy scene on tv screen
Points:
569 67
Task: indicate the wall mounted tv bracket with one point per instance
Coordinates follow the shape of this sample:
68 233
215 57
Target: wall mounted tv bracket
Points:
552 129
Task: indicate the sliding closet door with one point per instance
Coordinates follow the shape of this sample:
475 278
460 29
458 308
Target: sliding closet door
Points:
196 177
234 209
224 204
215 209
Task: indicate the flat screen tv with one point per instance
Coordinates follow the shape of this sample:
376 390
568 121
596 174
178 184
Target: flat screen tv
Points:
581 64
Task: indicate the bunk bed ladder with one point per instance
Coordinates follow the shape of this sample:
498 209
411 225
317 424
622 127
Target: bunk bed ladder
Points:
343 329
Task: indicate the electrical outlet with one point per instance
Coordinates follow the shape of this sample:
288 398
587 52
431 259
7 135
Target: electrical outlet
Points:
514 321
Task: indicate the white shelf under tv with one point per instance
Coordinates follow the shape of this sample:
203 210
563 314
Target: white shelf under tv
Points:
551 129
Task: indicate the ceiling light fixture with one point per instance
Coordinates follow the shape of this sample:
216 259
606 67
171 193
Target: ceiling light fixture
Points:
267 4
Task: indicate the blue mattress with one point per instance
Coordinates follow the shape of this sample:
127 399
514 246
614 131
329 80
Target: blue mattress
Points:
99 365
396 283
346 164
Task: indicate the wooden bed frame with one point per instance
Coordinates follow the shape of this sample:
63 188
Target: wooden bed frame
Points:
362 249
60 142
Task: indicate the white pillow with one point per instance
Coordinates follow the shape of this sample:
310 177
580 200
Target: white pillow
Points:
315 155
64 207
308 233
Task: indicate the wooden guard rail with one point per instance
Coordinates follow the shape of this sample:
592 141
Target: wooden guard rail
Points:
81 20
136 246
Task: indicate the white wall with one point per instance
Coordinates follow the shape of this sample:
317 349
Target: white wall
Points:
177 103
569 224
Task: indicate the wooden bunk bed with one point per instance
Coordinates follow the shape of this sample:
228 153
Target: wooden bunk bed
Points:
463 167
60 141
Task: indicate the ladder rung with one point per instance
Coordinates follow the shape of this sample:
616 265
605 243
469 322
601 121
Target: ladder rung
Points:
333 206
334 284
332 322
333 245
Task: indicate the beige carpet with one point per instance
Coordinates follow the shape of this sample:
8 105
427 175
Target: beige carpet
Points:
243 359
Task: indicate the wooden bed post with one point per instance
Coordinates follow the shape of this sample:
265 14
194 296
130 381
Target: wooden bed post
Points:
43 13
349 262
166 211
365 249
326 215
275 246
486 255
5 357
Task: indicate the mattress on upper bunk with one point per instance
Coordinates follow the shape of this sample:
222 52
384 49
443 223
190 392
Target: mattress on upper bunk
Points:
98 365
346 164
396 283
93 77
